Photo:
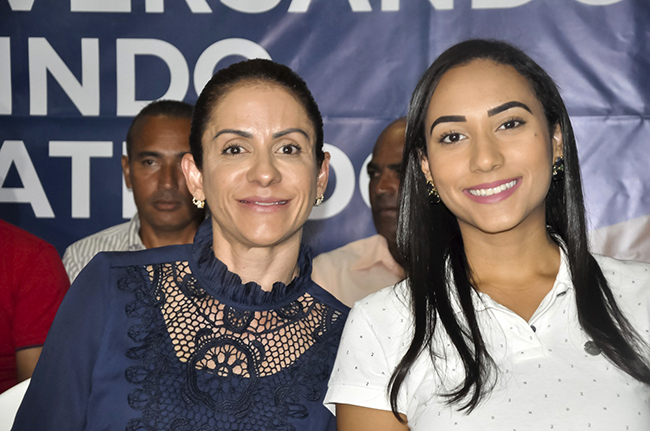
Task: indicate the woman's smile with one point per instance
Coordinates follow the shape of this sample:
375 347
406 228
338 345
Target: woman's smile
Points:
493 192
264 205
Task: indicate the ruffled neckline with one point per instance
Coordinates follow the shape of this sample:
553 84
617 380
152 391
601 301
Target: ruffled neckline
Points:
214 276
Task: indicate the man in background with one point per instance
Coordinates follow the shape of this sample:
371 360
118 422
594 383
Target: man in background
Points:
155 144
365 266
32 285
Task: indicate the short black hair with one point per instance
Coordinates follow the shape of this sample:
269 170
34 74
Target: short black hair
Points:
166 108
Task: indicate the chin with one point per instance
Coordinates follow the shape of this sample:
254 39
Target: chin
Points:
174 223
385 225
266 236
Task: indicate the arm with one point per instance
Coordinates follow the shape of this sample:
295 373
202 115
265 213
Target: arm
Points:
58 395
355 418
26 360
369 349
41 286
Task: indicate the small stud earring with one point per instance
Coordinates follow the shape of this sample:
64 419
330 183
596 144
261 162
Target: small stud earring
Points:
319 200
434 197
198 203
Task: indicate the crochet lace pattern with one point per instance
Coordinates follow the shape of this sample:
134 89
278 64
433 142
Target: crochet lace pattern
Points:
203 363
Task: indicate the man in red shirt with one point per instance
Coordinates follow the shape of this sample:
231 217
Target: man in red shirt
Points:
32 285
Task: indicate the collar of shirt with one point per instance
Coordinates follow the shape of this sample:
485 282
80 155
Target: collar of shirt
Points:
377 254
133 235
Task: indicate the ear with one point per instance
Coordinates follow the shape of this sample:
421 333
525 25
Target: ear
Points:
126 171
193 177
323 175
557 142
424 165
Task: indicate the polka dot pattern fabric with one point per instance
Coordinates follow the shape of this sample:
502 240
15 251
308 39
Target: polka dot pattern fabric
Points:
549 376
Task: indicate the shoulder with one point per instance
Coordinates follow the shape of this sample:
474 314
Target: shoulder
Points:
17 238
153 256
351 251
105 268
624 273
380 322
26 249
326 297
630 285
109 239
388 310
331 265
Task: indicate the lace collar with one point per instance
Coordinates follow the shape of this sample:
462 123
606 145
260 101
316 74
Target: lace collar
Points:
214 276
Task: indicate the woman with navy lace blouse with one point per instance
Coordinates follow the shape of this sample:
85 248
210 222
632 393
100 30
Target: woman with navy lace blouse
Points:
227 333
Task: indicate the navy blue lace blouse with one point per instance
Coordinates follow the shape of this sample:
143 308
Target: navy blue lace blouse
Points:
169 339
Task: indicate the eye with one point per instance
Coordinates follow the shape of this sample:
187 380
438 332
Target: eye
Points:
148 162
232 150
512 123
290 149
373 173
451 137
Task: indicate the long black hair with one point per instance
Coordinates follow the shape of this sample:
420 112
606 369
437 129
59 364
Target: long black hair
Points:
431 244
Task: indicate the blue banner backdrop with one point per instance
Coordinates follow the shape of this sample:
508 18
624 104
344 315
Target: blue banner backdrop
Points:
73 73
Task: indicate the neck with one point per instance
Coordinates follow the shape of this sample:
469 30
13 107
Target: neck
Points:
152 238
262 265
516 268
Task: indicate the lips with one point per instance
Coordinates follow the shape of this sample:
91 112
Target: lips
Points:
389 210
384 203
166 205
493 192
489 191
264 204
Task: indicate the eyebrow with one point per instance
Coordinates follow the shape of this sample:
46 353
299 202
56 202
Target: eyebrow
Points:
250 135
506 106
143 154
234 132
289 131
447 119
491 112
392 166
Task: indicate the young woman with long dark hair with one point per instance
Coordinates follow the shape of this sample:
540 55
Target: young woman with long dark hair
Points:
505 320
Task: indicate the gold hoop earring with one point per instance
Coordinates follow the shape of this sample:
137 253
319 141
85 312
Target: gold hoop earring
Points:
434 197
198 203
319 200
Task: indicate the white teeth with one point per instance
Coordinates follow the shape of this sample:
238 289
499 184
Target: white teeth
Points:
494 190
268 204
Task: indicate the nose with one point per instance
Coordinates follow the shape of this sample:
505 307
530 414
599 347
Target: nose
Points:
169 175
486 154
387 183
264 170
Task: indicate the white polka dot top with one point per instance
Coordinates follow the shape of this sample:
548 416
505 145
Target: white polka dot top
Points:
550 376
